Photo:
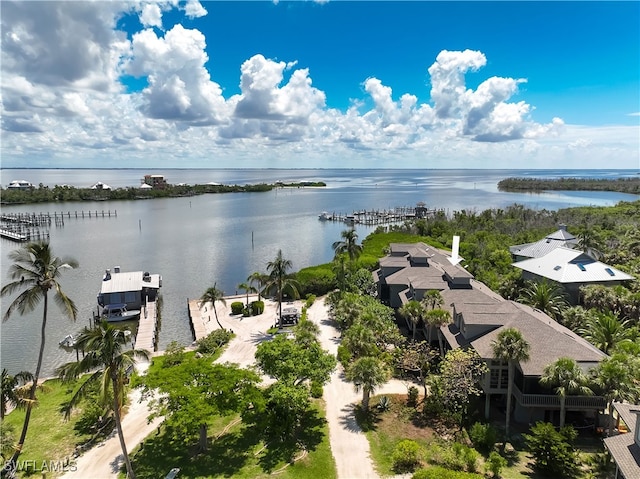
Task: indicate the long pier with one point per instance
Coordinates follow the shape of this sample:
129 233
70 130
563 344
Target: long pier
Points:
147 328
35 226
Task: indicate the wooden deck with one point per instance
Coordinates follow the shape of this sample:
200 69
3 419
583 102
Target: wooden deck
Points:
197 321
146 337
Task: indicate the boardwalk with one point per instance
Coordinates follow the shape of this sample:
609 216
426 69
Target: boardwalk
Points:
197 319
147 328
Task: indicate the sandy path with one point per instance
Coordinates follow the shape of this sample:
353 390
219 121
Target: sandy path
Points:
349 445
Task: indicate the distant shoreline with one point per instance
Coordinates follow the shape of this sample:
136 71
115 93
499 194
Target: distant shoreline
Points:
618 185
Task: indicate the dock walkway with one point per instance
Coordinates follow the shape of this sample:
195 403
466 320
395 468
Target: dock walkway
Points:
147 328
196 319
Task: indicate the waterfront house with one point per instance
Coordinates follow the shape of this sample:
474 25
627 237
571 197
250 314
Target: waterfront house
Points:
19 185
157 182
557 239
571 269
624 446
133 289
478 315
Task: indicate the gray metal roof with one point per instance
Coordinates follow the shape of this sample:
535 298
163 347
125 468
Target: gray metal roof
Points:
561 238
565 265
124 282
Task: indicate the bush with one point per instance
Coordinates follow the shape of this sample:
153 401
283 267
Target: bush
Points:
237 307
442 473
384 404
311 298
316 390
406 456
456 456
412 397
257 307
552 451
344 355
214 341
495 463
483 436
173 354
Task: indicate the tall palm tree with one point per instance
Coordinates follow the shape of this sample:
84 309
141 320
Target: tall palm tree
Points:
36 271
436 318
107 360
614 379
13 392
605 331
545 296
348 245
247 288
212 295
258 278
566 377
278 270
510 346
367 374
413 311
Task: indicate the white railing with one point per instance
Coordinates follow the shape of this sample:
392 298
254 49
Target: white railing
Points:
553 400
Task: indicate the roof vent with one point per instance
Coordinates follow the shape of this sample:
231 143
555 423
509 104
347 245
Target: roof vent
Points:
610 271
116 269
146 277
107 275
581 266
557 268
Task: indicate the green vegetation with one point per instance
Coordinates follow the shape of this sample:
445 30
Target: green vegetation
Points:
621 185
51 437
552 450
45 194
214 341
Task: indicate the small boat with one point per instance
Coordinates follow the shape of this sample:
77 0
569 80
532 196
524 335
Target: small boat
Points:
324 216
119 312
68 341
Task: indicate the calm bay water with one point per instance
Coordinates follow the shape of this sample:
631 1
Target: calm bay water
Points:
198 241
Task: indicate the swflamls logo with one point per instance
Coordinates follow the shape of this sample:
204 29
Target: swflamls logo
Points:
46 465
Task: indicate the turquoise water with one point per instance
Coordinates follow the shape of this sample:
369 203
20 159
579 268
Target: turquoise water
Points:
198 241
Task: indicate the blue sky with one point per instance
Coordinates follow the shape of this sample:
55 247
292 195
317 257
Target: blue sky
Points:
322 84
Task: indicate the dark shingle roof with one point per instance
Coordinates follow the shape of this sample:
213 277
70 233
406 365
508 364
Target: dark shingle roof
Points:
623 448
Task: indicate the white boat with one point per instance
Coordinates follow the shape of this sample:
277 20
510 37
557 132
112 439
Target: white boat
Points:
68 342
119 312
324 216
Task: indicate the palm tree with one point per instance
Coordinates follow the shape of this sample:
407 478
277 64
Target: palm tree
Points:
432 299
614 379
248 288
260 279
35 271
413 311
212 295
605 331
436 318
348 245
568 379
368 373
510 346
278 269
545 296
107 361
13 392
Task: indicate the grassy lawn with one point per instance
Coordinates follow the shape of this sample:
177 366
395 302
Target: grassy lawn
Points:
236 450
385 430
50 437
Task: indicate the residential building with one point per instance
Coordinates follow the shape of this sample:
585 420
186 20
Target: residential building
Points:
157 182
624 447
132 289
478 315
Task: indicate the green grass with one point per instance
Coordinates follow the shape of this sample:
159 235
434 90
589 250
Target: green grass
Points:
50 437
236 452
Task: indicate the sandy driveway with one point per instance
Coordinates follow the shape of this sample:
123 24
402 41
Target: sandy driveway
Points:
349 445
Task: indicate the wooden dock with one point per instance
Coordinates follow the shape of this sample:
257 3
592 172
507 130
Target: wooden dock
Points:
380 217
198 329
147 328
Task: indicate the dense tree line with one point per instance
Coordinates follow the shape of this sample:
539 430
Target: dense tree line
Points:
621 185
45 194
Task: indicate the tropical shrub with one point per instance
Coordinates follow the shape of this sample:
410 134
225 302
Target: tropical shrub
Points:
214 341
495 463
311 298
318 280
344 355
552 450
454 456
257 307
412 397
237 307
384 403
406 456
483 436
443 473
316 389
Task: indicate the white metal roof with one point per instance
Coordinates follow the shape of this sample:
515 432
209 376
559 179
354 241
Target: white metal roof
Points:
565 265
123 282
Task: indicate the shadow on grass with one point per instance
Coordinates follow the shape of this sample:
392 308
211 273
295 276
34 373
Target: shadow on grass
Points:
225 457
367 420
308 436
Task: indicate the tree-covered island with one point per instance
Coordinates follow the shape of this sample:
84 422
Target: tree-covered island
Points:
620 185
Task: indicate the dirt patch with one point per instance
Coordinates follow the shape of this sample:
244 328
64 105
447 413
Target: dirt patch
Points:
400 420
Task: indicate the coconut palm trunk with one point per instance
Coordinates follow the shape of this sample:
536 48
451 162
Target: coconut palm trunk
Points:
116 415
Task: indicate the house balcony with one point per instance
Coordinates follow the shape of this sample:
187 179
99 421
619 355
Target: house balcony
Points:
552 401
